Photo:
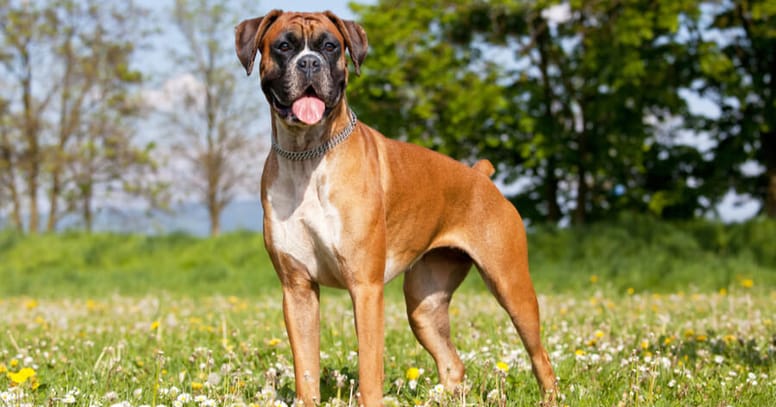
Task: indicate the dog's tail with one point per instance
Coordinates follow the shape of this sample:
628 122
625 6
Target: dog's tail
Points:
485 167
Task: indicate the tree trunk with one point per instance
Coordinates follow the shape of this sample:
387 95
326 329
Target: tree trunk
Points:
551 193
550 181
6 158
215 220
56 187
768 145
86 211
580 212
32 156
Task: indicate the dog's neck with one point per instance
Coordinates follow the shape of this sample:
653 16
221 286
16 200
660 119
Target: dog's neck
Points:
299 137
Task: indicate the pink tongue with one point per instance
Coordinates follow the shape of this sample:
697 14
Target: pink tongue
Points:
308 109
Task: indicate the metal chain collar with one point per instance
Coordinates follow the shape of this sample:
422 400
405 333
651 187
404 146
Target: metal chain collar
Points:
320 150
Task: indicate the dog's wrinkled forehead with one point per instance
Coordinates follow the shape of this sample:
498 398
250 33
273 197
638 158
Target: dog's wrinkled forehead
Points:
301 26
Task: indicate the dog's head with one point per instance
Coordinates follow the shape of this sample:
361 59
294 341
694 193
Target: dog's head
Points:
303 67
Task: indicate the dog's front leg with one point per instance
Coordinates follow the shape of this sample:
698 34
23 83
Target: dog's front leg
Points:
369 313
302 317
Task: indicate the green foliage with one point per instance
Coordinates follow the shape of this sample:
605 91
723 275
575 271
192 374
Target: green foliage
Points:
585 104
639 252
79 264
635 251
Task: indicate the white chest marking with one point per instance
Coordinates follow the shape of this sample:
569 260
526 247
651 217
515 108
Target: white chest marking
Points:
305 224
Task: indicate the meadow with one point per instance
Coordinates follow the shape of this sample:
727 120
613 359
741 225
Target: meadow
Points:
634 313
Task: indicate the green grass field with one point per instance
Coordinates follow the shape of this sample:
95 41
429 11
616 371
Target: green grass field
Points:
644 314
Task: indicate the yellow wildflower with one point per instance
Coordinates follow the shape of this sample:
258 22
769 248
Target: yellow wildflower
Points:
723 291
14 363
31 304
22 375
599 334
701 338
196 386
630 291
502 366
747 283
644 344
412 373
155 325
579 352
3 368
274 342
594 279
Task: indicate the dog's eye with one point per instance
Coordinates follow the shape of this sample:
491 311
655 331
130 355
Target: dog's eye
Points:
329 47
284 47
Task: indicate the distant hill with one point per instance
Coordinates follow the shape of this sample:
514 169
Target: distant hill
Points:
189 218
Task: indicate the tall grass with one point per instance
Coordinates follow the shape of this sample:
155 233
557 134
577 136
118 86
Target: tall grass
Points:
633 252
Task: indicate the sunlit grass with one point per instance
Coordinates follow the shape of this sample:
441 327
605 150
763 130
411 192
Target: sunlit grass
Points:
608 348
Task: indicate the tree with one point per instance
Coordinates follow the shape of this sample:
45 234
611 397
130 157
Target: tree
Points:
93 137
70 103
564 102
214 122
737 60
23 28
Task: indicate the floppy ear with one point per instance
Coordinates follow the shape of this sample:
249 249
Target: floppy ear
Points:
248 36
355 39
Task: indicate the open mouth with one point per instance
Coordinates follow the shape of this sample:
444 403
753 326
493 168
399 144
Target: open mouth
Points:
308 108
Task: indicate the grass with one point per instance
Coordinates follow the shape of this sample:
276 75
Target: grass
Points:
633 313
641 349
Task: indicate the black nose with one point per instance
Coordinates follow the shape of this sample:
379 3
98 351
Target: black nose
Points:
309 64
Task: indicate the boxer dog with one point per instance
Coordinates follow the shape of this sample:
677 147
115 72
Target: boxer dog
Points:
346 207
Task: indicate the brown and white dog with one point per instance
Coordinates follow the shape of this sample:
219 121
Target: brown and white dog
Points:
346 207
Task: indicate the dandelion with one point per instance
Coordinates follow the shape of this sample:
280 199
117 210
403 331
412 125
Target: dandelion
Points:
747 283
21 376
630 291
594 279
413 373
196 386
502 366
274 342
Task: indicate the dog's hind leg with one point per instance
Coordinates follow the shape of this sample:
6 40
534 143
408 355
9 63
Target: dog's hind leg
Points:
428 288
507 278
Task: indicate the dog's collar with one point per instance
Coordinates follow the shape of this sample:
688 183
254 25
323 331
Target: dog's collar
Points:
320 150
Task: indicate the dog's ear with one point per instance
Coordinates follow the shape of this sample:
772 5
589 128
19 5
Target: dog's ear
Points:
355 39
248 36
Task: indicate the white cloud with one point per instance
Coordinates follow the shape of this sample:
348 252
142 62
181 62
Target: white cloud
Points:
175 91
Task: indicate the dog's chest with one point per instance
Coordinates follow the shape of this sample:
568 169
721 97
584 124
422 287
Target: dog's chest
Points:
305 223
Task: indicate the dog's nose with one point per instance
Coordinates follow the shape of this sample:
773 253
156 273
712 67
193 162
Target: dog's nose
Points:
309 64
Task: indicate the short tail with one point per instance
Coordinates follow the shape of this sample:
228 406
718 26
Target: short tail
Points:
485 167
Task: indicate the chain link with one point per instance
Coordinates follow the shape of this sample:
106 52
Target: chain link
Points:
320 150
